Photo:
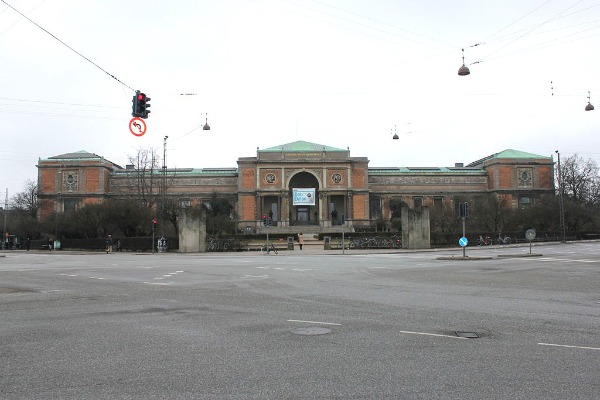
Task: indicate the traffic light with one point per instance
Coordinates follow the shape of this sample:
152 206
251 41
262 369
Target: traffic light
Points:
270 221
264 218
154 224
463 210
134 105
140 106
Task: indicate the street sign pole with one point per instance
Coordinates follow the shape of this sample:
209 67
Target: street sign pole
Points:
463 235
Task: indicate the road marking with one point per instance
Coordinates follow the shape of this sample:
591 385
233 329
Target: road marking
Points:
314 322
572 347
255 276
432 334
302 269
565 260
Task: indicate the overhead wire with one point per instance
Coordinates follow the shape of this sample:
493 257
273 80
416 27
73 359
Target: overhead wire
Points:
17 21
517 20
531 30
67 46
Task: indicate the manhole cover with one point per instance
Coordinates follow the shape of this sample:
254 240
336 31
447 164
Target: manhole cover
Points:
311 330
468 335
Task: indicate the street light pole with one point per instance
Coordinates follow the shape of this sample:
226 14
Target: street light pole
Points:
4 237
164 186
561 205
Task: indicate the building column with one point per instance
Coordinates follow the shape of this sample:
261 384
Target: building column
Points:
349 208
285 208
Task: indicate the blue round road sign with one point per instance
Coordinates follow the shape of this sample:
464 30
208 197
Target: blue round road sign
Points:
463 241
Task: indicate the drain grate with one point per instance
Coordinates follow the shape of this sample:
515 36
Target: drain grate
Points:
311 330
467 335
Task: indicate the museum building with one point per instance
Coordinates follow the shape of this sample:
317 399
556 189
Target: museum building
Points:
295 184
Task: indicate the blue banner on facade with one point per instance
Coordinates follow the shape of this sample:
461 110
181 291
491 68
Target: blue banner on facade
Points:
303 197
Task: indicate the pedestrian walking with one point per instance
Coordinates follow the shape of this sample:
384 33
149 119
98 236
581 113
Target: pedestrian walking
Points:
28 243
119 246
300 240
109 244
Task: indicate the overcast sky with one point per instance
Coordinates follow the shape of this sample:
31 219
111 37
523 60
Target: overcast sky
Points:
270 72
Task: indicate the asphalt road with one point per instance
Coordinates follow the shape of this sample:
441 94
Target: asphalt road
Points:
302 325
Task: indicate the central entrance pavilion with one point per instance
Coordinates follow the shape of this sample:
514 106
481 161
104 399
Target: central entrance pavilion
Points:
303 184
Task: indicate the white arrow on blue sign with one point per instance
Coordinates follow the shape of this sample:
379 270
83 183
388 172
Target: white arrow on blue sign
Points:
463 241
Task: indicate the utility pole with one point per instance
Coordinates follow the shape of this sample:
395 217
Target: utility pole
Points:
561 205
5 214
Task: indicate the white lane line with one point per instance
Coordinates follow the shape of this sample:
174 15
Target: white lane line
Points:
432 334
566 260
571 347
167 275
179 272
314 322
302 269
255 276
159 278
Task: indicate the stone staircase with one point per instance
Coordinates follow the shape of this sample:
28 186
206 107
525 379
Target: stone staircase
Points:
307 230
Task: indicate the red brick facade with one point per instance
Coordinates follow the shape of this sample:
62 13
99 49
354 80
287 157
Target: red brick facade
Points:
346 189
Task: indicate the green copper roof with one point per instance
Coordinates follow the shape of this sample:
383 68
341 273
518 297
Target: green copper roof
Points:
81 154
510 153
299 147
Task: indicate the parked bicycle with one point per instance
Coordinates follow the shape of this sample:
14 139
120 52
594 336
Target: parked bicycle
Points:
502 240
267 248
483 240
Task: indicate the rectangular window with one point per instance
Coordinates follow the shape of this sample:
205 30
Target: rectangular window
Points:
69 205
375 203
525 201
418 202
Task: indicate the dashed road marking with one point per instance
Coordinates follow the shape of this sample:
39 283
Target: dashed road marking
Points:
569 346
432 334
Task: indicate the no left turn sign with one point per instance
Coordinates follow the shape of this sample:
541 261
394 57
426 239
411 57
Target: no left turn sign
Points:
137 126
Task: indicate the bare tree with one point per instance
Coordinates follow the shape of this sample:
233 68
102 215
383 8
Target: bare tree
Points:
143 181
26 201
580 179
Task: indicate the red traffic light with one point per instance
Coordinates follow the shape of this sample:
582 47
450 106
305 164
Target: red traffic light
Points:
154 221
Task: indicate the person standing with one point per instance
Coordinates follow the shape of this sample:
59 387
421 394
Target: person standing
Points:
300 240
109 244
28 243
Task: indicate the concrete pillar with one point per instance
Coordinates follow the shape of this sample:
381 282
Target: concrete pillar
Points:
415 228
192 230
